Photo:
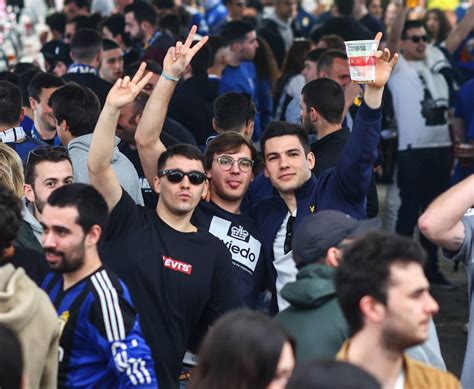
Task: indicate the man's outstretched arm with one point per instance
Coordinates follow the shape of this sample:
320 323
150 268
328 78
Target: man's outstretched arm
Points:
99 162
441 222
149 129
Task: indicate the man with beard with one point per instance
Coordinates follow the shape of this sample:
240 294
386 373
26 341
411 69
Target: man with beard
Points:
40 89
141 25
384 295
101 343
46 169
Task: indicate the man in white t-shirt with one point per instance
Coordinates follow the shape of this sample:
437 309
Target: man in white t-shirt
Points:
420 98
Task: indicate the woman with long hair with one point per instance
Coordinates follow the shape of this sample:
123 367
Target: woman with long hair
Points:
437 26
244 350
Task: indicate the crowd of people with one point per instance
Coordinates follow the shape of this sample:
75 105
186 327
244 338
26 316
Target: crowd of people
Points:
188 194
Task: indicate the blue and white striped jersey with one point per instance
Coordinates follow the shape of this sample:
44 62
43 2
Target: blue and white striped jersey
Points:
101 342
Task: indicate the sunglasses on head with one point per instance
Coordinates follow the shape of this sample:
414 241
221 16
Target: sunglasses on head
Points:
176 176
418 38
45 153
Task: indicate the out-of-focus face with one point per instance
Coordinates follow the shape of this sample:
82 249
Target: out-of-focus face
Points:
180 198
236 9
232 184
43 113
133 28
60 69
69 32
71 10
48 177
409 307
284 369
127 125
376 9
286 9
413 45
63 239
286 163
310 71
111 66
150 85
390 13
249 46
432 25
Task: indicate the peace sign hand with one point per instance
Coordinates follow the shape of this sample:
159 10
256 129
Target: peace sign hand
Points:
179 56
125 90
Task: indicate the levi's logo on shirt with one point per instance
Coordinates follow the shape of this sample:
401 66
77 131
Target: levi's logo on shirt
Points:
176 265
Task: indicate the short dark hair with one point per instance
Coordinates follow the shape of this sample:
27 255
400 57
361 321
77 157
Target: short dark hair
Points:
214 44
327 59
142 11
23 82
57 22
409 24
10 217
78 105
236 31
241 350
365 270
90 204
54 155
315 55
200 62
183 150
344 7
333 41
85 44
108 44
279 128
82 21
10 103
228 142
151 66
233 110
11 359
79 3
10 77
115 24
329 374
42 81
327 97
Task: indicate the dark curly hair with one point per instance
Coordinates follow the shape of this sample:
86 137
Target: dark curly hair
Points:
10 217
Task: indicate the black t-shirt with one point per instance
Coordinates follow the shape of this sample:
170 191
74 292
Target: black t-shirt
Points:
33 262
239 234
178 281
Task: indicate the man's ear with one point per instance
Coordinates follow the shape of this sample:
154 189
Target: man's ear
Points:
311 160
236 47
333 257
33 103
214 126
313 115
29 193
22 114
372 310
248 130
157 185
93 236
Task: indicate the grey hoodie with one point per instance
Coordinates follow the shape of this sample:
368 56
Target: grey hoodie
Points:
29 217
127 175
284 28
27 310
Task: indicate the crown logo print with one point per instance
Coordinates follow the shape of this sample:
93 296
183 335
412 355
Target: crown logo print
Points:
239 233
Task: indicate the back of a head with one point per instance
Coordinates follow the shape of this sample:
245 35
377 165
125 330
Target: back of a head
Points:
78 105
85 45
10 218
233 111
89 203
320 374
236 31
327 97
57 22
214 44
365 271
344 7
333 41
11 359
200 61
115 24
143 12
241 350
278 129
11 170
42 81
10 104
9 76
327 59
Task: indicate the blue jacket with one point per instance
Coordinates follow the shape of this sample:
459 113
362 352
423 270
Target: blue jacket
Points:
343 187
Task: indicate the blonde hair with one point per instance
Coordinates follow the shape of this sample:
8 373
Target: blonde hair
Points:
11 170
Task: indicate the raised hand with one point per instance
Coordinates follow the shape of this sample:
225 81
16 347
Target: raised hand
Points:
125 90
179 56
383 65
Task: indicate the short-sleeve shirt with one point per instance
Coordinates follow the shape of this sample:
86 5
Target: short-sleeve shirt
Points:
179 282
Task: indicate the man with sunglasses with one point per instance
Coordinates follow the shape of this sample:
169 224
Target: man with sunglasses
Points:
179 276
46 169
420 91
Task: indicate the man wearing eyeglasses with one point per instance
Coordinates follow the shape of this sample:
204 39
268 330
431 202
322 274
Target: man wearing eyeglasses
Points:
420 91
179 276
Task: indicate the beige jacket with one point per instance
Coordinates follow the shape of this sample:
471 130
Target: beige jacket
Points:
27 310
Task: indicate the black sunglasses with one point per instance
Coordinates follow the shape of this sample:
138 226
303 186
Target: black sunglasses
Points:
175 176
46 153
416 38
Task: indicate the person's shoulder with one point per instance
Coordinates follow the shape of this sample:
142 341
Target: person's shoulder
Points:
420 375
